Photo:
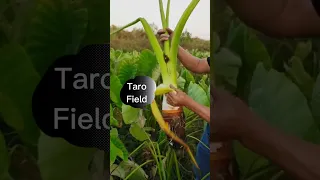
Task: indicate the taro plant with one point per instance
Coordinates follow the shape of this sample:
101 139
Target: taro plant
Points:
173 123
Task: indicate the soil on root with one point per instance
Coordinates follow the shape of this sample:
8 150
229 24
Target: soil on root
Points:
177 123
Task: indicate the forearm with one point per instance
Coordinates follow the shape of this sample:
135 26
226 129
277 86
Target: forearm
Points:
188 60
285 18
298 158
201 110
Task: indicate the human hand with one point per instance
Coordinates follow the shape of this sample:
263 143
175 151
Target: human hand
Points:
177 97
231 118
163 36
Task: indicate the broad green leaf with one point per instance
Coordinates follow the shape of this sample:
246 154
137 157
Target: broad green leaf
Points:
4 162
303 49
57 29
202 82
130 114
137 132
181 82
18 80
115 88
237 36
127 167
127 70
117 171
279 102
300 77
185 74
198 94
255 51
117 147
60 160
226 68
147 63
156 73
114 153
113 121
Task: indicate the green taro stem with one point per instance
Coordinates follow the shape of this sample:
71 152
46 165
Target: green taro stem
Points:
165 24
176 38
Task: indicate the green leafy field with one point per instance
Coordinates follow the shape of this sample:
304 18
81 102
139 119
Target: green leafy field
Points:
32 35
136 140
278 78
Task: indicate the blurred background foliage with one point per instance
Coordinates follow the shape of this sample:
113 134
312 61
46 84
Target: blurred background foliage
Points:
278 78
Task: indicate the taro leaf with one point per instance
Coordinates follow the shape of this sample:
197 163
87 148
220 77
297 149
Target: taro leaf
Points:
198 94
237 35
60 160
280 103
125 168
57 29
18 80
255 51
226 67
181 82
185 74
137 132
300 77
117 171
130 114
303 49
127 69
4 162
156 73
115 88
202 82
114 153
113 121
117 147
147 63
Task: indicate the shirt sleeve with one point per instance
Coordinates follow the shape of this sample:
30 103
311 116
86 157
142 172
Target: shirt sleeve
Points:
316 5
208 59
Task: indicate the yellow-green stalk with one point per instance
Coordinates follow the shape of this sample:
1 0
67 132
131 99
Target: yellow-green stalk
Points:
167 60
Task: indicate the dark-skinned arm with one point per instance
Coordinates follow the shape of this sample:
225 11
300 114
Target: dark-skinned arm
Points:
192 63
298 158
180 98
201 110
280 18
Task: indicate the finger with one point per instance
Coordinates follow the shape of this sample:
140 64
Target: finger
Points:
164 39
169 31
161 31
164 36
171 94
172 87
